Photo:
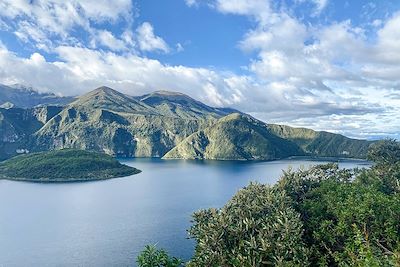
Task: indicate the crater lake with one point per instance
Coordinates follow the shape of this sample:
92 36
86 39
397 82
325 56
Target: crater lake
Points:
108 223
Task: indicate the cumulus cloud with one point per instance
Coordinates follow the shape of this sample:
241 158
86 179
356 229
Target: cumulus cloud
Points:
50 23
148 41
107 39
322 70
258 9
82 69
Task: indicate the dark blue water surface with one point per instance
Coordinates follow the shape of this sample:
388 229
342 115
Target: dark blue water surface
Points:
107 223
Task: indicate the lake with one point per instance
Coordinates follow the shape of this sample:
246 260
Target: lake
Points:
107 223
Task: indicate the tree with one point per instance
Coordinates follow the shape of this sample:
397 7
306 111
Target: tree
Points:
257 227
385 152
153 257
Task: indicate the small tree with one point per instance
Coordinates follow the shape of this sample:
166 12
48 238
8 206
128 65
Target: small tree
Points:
385 152
153 257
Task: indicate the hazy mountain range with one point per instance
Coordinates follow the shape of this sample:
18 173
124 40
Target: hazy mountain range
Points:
160 124
26 97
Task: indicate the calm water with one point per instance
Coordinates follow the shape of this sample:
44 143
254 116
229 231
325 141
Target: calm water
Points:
107 223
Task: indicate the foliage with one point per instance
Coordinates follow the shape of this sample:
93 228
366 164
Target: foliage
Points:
235 137
323 144
257 227
335 212
385 152
153 257
63 165
386 173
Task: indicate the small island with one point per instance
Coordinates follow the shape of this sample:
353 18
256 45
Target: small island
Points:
67 165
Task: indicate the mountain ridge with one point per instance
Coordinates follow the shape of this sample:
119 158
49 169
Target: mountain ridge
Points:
27 97
156 124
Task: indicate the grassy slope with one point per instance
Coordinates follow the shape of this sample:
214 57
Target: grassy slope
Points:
105 120
63 166
322 144
235 137
179 105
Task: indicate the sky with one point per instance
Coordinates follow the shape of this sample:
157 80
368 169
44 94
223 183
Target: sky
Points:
322 64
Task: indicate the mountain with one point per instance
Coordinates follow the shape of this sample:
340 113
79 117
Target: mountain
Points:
180 105
234 137
106 98
323 144
106 120
160 124
25 97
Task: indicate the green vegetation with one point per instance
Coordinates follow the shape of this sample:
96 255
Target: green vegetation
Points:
234 137
153 257
63 166
322 144
322 216
161 124
174 104
106 120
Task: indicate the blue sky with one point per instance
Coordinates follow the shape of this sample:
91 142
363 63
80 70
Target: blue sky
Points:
329 65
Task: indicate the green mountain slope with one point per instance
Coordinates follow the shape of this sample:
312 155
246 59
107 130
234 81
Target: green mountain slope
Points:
323 144
234 137
109 99
180 105
17 126
108 121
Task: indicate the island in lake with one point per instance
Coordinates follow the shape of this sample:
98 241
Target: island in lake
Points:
67 165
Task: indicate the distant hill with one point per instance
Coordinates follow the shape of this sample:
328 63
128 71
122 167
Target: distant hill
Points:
235 137
323 144
25 97
63 166
160 124
17 127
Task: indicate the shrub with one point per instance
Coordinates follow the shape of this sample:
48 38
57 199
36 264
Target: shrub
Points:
256 227
153 257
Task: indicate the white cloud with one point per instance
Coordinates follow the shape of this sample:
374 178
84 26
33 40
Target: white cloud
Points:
192 2
49 21
258 9
148 41
107 39
321 70
320 5
179 47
